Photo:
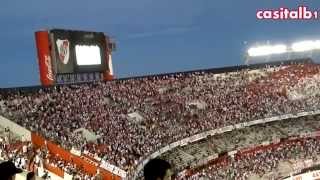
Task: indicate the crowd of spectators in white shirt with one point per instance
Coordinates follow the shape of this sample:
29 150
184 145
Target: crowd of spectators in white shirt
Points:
163 102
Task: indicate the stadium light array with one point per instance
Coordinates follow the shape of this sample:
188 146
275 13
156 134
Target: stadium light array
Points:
267 50
280 48
305 46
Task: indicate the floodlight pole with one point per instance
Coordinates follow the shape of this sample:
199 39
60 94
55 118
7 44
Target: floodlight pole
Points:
246 57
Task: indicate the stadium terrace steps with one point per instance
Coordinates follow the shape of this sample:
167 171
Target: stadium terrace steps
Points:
290 127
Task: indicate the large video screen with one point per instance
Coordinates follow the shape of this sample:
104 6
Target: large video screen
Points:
88 55
78 51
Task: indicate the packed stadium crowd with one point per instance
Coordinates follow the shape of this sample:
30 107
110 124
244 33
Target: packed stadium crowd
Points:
243 139
25 156
163 102
68 167
259 162
13 149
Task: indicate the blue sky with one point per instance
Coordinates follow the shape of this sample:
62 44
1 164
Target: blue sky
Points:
152 36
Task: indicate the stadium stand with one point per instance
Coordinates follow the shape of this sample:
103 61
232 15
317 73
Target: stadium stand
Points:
262 164
124 121
26 156
246 141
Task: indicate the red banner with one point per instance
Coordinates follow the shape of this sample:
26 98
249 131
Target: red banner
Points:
44 58
88 165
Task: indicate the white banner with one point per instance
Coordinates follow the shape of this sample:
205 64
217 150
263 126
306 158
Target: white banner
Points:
75 152
115 170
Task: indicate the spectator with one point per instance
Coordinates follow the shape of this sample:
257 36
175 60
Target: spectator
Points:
31 176
157 169
8 170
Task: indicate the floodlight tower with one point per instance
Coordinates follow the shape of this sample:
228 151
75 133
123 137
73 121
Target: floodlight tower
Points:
302 49
265 51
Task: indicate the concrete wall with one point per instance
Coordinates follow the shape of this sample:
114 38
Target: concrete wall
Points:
17 129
